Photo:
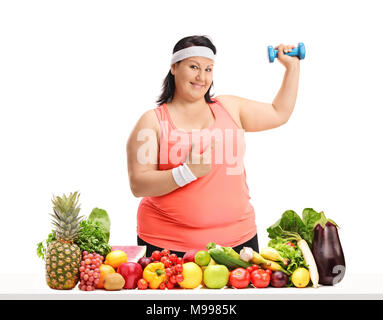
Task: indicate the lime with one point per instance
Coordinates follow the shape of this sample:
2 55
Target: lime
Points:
300 277
202 258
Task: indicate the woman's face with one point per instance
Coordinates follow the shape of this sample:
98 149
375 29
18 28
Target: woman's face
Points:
193 76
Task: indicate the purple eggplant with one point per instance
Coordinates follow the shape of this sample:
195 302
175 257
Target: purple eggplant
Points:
327 252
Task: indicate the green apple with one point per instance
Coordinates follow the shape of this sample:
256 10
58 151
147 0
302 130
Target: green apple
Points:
216 276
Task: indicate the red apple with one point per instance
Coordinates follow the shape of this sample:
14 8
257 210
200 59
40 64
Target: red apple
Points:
189 255
131 272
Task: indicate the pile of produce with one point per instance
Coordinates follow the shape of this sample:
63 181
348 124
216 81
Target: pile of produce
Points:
301 252
66 249
316 238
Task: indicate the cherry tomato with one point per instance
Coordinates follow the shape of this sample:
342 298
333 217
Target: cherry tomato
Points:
156 255
290 244
164 259
173 258
173 279
239 278
180 260
168 263
162 286
165 253
178 268
260 278
255 267
169 285
168 272
249 269
179 278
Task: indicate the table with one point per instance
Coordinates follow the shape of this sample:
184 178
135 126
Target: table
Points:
353 286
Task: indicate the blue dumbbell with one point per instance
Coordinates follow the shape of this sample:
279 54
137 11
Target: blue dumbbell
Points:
299 52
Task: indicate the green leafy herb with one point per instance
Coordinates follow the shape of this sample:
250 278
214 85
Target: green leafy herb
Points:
294 254
92 238
42 248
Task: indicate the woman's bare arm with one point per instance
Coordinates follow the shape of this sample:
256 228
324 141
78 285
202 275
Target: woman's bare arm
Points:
142 154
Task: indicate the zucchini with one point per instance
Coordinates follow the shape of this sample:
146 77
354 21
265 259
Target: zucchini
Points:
221 256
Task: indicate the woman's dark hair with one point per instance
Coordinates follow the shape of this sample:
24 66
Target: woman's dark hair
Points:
168 85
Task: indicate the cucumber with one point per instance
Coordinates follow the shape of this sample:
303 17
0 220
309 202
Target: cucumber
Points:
221 257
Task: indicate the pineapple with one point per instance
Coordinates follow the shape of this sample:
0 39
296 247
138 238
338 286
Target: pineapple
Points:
63 255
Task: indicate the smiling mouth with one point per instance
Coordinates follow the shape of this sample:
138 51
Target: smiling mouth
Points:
197 85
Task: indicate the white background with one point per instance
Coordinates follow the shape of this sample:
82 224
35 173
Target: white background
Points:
75 76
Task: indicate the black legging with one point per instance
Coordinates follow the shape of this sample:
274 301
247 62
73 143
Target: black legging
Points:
252 243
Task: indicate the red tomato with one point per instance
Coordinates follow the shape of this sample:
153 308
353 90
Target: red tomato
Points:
290 244
260 278
239 278
142 284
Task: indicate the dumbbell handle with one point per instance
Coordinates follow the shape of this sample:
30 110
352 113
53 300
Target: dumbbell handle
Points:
298 51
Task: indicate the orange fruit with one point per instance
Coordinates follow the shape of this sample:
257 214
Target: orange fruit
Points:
104 270
115 258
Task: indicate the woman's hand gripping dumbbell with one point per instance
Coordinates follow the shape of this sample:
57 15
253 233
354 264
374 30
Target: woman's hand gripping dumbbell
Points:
299 51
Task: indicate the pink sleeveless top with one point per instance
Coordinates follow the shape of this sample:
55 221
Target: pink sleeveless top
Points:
213 208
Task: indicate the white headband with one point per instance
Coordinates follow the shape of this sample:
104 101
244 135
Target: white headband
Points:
195 51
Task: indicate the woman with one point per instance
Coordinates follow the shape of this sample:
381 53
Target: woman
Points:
196 192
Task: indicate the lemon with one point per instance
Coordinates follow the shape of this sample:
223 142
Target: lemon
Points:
300 277
192 273
115 258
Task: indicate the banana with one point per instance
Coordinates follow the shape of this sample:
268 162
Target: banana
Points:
273 266
272 254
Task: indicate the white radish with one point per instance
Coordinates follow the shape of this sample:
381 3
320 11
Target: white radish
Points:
310 261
